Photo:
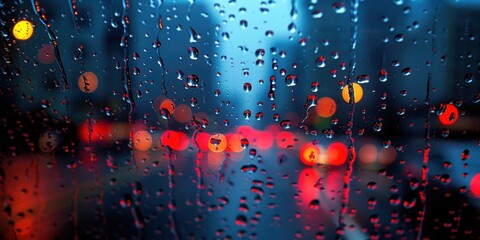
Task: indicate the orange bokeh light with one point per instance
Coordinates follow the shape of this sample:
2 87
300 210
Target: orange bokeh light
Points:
234 143
310 154
387 155
142 140
215 160
168 104
337 154
357 93
368 153
217 142
326 107
449 116
88 82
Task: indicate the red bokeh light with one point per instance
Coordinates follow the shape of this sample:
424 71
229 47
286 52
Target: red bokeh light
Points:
202 140
285 139
262 139
101 131
449 116
475 185
336 154
307 181
175 140
246 131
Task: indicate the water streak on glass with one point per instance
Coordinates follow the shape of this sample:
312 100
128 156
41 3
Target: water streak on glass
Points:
426 152
351 148
127 80
171 198
53 39
190 5
73 10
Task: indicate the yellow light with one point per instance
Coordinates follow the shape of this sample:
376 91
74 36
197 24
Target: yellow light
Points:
357 90
23 30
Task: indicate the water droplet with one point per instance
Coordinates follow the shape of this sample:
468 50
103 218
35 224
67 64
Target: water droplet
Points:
465 154
247 87
244 143
372 185
292 27
383 76
407 71
314 204
469 78
314 86
192 81
377 126
317 13
291 80
339 7
247 114
320 61
243 24
363 79
286 124
192 53
399 37
250 168
445 179
241 220
395 200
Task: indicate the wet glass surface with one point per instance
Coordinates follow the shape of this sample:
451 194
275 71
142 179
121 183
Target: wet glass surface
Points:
240 119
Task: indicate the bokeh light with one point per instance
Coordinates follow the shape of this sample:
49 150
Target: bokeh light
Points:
285 139
262 139
246 131
307 185
449 116
310 154
234 143
46 54
387 155
217 142
100 131
475 185
326 107
337 154
47 142
200 140
23 30
169 105
357 92
142 140
183 113
368 153
215 160
175 140
88 82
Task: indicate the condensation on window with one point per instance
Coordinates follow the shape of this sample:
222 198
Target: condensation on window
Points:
236 119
